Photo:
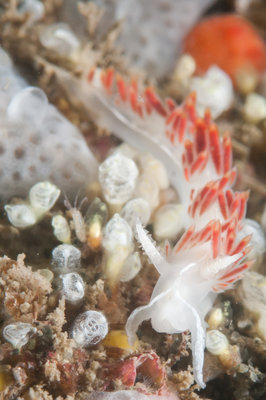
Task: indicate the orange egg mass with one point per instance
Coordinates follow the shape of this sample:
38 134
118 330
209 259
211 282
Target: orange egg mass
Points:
228 41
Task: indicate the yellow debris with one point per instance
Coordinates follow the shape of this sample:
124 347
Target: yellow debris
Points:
119 339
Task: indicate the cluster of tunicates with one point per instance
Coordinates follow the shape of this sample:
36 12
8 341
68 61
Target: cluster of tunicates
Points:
42 198
42 144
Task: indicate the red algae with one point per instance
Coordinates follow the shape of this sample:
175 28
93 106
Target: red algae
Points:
228 41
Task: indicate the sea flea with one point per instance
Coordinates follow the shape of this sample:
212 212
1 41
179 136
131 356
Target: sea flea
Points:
210 256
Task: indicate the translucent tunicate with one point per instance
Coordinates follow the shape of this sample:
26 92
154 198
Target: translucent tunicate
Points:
43 196
117 233
66 257
155 169
61 228
5 60
89 328
257 242
95 218
72 287
216 342
168 221
34 7
254 108
46 273
20 215
117 176
28 106
18 334
60 38
214 91
131 267
136 209
148 190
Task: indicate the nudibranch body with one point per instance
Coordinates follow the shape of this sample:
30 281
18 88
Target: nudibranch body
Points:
211 254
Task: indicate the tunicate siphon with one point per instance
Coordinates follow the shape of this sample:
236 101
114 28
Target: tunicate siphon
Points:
89 328
117 176
18 334
72 287
66 257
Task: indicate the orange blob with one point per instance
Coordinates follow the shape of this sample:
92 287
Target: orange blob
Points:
228 41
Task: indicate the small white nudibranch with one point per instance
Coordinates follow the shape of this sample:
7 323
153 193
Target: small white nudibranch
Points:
61 228
18 334
66 257
89 328
72 287
117 176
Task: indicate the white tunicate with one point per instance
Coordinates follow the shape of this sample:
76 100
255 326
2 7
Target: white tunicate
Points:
20 215
72 287
136 209
254 108
117 233
43 196
147 189
216 342
155 169
60 38
46 273
257 242
61 228
129 395
117 176
34 7
29 106
214 91
89 328
185 68
66 257
131 267
18 334
168 221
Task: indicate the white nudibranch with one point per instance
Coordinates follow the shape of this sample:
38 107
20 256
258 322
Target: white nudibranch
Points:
211 254
18 334
89 328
